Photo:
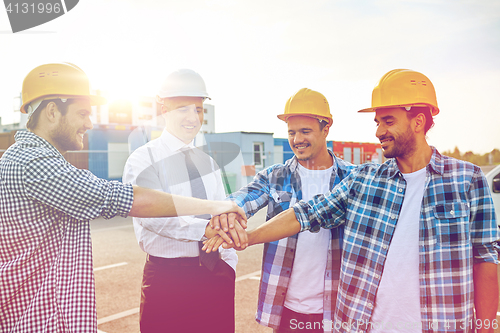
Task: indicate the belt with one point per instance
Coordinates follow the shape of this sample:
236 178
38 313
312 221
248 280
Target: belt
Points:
187 261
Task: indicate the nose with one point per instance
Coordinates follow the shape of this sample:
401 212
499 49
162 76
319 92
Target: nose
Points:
192 115
298 138
88 124
380 131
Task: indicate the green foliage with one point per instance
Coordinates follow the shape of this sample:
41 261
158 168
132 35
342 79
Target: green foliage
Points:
492 157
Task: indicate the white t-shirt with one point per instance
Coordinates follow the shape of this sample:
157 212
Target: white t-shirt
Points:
307 281
397 303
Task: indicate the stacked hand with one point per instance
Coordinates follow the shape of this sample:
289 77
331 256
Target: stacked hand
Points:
228 230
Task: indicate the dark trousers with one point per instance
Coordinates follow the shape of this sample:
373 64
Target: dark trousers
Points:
178 298
292 322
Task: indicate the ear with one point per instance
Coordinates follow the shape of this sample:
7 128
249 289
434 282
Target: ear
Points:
326 130
419 123
51 113
162 102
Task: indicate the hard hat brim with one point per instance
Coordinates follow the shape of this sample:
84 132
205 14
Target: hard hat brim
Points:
434 110
94 100
285 117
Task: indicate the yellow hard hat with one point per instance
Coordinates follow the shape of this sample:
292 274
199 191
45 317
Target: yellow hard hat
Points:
57 80
403 88
309 103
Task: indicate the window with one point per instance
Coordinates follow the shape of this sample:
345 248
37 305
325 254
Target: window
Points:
258 154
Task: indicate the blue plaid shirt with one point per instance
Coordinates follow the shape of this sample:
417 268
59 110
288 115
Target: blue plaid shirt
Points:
457 230
279 187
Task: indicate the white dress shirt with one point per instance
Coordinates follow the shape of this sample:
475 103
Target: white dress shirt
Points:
159 165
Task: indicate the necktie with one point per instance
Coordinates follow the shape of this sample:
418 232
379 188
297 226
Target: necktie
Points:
208 260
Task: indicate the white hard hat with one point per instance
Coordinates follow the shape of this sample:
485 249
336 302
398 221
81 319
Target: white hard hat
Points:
183 82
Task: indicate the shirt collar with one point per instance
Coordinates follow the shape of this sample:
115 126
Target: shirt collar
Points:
436 164
173 142
30 136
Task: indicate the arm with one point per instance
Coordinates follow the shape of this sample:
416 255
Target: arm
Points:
152 203
155 211
485 295
285 224
326 210
484 233
251 198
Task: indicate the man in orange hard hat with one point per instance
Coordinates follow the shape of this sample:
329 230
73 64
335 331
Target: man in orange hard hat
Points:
46 204
419 230
300 273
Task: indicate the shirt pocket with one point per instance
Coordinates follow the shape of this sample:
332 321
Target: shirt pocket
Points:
452 224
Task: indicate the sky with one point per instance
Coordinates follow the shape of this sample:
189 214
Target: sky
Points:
253 55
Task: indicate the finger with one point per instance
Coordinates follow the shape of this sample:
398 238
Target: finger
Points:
207 244
223 222
242 214
243 222
242 235
214 222
235 237
230 220
225 237
215 244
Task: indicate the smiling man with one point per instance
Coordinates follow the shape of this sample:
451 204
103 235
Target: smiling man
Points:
420 232
177 279
300 273
46 204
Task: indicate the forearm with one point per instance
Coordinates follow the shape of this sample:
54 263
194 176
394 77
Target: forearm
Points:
283 225
152 203
485 293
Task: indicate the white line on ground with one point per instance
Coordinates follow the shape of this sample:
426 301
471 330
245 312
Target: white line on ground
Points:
109 266
247 276
117 316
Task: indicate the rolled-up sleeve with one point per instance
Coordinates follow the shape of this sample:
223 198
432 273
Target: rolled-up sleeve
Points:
52 181
484 229
325 210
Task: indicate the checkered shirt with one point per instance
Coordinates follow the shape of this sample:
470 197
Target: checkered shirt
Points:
46 270
279 187
457 230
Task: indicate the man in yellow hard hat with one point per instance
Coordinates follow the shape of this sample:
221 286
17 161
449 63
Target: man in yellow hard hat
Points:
419 230
46 271
300 273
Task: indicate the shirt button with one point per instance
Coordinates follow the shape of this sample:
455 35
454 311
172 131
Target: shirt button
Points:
370 305
377 276
393 217
400 190
452 212
384 247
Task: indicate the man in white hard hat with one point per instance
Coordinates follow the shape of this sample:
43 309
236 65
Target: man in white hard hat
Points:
46 270
177 281
300 273
420 236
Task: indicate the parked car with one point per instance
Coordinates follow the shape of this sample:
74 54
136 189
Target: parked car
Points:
493 178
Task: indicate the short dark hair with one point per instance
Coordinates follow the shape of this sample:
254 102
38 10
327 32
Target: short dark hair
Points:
416 110
61 106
